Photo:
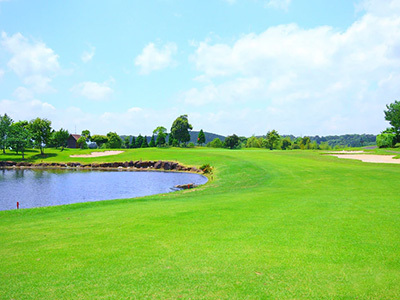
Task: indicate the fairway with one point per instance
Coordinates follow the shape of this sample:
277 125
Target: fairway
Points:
268 225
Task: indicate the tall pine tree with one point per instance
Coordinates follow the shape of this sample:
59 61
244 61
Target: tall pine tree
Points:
152 142
139 141
133 143
144 143
201 139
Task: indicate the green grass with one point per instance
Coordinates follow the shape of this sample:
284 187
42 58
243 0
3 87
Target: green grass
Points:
272 224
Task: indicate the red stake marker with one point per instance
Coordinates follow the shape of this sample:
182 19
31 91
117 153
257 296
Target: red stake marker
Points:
17 205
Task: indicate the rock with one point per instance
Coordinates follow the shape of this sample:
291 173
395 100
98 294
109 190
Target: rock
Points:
185 186
167 165
158 165
144 164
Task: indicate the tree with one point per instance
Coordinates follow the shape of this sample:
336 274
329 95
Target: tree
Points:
171 140
305 143
174 143
272 139
215 143
114 140
139 141
324 146
152 142
60 138
81 142
253 142
286 143
86 135
126 142
133 143
41 132
144 143
19 137
385 140
201 139
232 141
5 123
392 114
180 129
161 133
99 140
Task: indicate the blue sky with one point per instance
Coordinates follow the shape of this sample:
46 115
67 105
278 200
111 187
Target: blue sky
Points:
302 67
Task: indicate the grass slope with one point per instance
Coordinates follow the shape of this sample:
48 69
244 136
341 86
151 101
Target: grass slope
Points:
272 224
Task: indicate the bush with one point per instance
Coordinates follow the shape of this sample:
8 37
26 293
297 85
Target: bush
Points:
232 142
206 168
325 146
175 143
385 140
215 143
190 145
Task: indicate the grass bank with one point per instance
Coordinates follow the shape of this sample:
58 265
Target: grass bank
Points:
272 224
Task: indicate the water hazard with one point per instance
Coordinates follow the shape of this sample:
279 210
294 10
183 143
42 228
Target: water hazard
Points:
37 188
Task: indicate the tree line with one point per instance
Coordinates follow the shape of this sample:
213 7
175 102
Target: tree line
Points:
272 140
39 134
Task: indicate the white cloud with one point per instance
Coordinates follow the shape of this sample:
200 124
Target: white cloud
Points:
32 61
152 59
93 90
134 109
88 55
39 83
32 109
229 92
1 73
29 57
279 4
22 93
380 8
320 80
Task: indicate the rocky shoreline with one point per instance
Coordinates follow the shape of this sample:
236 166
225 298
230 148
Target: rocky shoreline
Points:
127 166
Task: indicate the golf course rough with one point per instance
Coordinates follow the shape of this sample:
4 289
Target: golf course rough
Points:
271 224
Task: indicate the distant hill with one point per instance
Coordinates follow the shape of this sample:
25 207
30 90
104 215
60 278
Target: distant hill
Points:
193 137
209 136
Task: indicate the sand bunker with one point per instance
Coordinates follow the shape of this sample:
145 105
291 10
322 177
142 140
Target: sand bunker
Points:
344 152
97 154
371 158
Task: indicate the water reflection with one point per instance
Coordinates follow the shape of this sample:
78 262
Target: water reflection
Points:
35 188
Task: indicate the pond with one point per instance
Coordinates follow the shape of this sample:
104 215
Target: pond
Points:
37 188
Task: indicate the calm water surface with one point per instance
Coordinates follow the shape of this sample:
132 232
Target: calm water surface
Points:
35 188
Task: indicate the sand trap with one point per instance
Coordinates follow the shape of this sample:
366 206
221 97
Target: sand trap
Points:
97 154
344 152
371 158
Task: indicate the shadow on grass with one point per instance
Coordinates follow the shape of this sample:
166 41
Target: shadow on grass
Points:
39 157
12 156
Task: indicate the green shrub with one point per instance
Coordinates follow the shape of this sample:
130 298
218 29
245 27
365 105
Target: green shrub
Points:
386 140
325 146
215 143
206 168
190 145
